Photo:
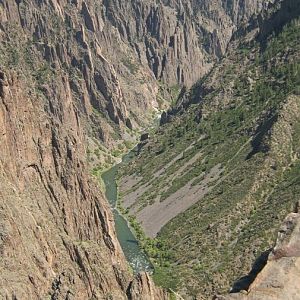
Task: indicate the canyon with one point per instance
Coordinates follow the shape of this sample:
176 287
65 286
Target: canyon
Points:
80 80
211 187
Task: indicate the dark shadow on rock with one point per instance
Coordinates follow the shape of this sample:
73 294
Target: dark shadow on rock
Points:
258 141
244 282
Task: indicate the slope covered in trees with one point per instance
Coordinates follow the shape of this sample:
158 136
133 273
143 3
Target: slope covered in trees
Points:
243 120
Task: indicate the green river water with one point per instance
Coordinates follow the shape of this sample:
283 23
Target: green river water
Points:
133 252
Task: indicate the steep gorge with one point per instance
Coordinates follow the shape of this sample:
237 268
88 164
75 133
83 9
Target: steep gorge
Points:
77 75
214 182
123 60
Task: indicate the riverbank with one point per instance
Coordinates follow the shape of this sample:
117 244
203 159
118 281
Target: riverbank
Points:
134 254
156 251
141 252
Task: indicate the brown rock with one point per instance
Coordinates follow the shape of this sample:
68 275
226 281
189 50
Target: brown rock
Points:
278 279
142 287
56 232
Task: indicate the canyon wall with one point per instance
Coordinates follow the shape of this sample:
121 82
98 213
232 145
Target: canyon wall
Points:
57 233
115 51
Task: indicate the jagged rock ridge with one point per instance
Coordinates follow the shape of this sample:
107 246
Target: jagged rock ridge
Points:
112 44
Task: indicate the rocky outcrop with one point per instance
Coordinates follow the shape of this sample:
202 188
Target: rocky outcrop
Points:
179 40
142 287
57 237
278 279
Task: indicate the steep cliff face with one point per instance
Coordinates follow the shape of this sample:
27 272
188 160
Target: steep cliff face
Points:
70 37
179 40
114 51
57 234
57 238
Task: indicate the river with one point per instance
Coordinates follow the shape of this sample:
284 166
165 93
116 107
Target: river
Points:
133 252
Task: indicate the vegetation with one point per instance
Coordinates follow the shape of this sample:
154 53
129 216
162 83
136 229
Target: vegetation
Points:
156 250
244 129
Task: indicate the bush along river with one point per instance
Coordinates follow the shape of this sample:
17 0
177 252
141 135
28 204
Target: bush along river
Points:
136 257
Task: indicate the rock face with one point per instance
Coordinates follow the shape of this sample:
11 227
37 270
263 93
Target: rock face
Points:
57 237
142 287
57 233
114 51
179 40
278 279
